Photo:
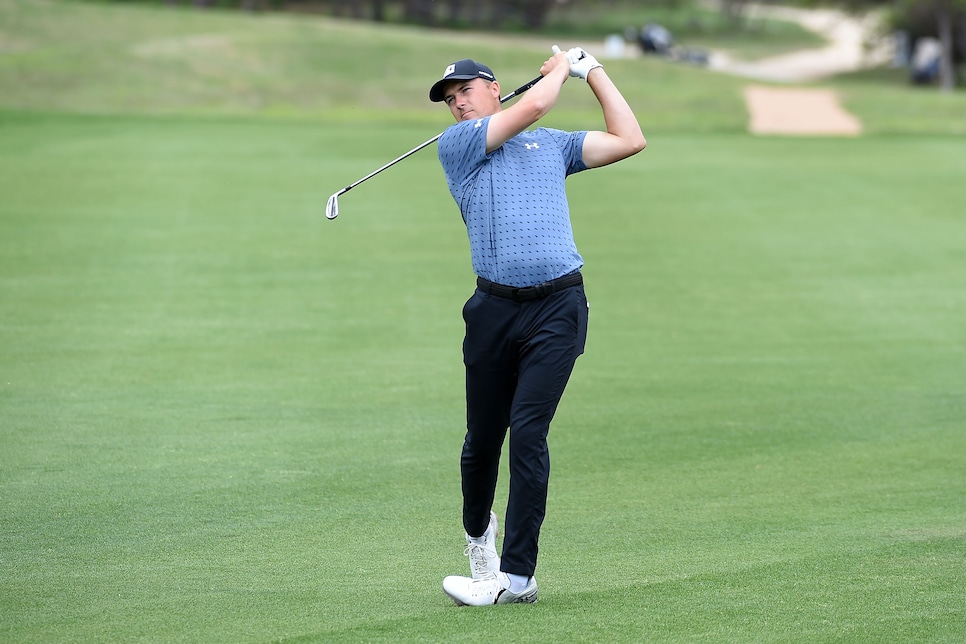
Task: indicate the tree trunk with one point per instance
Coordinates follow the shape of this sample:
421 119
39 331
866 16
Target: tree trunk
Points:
351 8
499 12
732 11
378 10
419 11
455 11
476 14
947 67
535 13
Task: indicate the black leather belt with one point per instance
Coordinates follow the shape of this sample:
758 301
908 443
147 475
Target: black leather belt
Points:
529 293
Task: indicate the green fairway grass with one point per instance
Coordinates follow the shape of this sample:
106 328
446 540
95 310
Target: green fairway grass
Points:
226 419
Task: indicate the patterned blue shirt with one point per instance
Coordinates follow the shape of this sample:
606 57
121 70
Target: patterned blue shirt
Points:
513 200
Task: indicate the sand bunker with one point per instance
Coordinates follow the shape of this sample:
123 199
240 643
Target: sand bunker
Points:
804 112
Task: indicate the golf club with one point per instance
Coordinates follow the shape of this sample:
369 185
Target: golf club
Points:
332 207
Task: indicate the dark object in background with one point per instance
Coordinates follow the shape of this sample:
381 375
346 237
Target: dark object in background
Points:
655 39
924 67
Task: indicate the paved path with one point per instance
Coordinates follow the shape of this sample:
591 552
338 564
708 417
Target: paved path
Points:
845 51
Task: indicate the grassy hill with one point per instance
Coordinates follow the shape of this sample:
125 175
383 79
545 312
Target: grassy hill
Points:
96 58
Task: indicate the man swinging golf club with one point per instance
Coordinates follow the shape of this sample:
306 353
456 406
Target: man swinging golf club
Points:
526 323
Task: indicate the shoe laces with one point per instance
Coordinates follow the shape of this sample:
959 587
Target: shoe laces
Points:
477 552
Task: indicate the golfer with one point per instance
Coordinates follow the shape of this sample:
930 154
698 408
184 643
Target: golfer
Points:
526 323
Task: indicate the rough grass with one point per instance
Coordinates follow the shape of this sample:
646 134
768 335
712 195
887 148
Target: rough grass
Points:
94 58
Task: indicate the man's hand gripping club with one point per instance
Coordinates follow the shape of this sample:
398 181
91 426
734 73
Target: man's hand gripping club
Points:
581 63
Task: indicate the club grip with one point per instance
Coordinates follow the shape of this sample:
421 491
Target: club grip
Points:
521 89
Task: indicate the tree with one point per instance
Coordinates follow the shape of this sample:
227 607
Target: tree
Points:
422 12
946 15
378 10
943 19
492 14
732 10
534 12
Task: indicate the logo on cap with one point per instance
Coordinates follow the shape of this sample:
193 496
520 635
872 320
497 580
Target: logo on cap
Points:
450 70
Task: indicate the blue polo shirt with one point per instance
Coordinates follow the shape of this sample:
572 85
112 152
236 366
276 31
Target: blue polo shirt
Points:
513 200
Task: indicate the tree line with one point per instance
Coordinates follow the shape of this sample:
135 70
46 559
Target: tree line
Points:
941 19
944 20
491 14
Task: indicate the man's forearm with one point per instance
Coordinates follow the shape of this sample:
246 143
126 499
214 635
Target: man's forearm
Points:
623 136
543 96
619 118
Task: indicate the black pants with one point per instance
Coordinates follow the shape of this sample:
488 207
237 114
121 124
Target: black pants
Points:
518 357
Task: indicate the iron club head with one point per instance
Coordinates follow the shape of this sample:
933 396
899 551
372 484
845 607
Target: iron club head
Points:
332 207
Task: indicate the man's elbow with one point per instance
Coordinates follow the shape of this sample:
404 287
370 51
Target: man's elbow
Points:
606 148
636 144
631 145
538 108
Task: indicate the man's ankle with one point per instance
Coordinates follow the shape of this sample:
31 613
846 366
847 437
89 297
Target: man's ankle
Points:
518 582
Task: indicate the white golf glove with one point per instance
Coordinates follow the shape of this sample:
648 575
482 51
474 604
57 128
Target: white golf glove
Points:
580 62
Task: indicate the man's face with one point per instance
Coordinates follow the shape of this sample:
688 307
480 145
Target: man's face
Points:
472 99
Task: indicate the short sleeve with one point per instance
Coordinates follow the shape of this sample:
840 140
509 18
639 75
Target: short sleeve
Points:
571 146
462 150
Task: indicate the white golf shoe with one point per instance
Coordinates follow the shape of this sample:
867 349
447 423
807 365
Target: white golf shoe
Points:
492 589
484 561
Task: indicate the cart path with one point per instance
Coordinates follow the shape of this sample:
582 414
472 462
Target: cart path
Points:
846 50
800 111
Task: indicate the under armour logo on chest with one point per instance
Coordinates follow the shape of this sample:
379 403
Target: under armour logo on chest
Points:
532 146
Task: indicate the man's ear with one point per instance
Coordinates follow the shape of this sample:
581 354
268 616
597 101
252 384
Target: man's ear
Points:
495 89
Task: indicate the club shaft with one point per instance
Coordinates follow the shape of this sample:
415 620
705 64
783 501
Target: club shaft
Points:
419 147
520 89
390 164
